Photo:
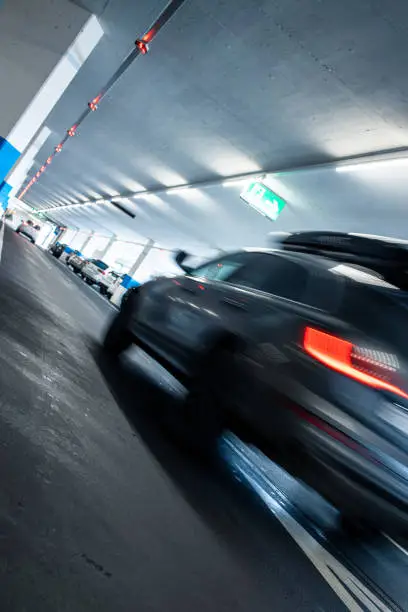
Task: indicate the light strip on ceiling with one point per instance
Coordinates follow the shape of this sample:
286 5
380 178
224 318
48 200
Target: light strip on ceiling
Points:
147 195
238 182
141 47
175 190
373 165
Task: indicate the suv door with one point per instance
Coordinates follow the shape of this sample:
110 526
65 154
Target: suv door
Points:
263 305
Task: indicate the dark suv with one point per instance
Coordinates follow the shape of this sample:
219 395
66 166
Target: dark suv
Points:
302 350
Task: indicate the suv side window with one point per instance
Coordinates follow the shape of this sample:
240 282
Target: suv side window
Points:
223 268
276 275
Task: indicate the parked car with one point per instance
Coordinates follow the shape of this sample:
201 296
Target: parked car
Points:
109 282
76 262
29 230
71 253
94 271
302 350
57 249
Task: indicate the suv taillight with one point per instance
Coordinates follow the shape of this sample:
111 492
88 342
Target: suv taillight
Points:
367 366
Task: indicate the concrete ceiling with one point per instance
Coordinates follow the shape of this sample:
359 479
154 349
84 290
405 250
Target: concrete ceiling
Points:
230 87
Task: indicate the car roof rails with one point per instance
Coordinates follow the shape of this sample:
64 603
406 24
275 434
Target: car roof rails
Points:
348 246
277 237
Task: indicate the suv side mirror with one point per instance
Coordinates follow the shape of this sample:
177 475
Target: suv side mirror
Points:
179 258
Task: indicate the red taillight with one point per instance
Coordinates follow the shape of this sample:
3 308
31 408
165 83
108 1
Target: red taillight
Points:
367 366
142 46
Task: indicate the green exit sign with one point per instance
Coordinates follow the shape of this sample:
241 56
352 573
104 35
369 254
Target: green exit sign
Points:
263 199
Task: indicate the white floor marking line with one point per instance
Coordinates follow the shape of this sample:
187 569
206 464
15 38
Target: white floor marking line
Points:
348 588
389 538
2 238
356 596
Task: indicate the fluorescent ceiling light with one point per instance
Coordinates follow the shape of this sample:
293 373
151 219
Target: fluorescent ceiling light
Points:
109 191
373 165
80 205
120 199
155 200
129 184
167 177
178 189
243 180
144 196
236 182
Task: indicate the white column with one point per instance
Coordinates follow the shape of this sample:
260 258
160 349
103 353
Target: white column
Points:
146 250
126 283
70 235
22 167
110 243
19 126
55 85
87 241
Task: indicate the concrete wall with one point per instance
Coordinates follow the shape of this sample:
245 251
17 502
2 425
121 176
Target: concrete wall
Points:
34 36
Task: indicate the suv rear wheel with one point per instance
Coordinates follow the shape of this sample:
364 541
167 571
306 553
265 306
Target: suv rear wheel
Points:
198 421
118 337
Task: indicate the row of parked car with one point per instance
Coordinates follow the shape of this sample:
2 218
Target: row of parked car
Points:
94 271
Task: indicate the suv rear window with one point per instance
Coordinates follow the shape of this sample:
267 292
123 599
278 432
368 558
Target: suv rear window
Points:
275 275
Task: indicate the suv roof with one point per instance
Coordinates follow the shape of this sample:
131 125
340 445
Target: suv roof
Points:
357 246
385 256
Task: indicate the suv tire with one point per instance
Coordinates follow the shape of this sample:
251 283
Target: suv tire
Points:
118 337
197 422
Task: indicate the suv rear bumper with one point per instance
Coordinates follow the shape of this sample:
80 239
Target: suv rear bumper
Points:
358 484
356 497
